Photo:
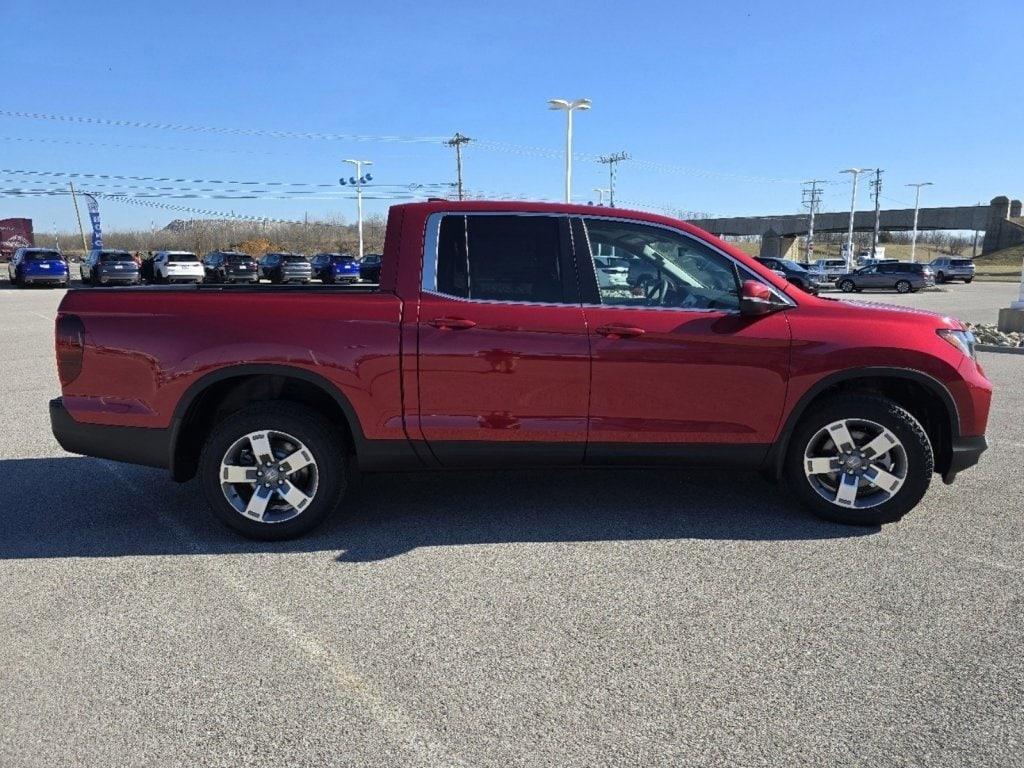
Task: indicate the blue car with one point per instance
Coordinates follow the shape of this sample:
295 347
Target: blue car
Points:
44 266
335 268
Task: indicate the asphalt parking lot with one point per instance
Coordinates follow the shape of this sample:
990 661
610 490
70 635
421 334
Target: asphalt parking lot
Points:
573 619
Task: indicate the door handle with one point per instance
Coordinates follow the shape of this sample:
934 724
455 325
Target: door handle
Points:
452 323
619 331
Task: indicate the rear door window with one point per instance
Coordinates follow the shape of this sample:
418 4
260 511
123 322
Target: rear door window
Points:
502 258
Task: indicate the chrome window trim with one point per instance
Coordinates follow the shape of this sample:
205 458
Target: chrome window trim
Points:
428 282
753 275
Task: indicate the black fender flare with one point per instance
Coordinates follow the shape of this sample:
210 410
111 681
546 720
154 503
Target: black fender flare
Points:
774 460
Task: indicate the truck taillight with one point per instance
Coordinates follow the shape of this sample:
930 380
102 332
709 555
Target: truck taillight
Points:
70 342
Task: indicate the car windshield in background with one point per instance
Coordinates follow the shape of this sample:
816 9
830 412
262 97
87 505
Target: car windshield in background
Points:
961 262
344 259
182 258
294 257
109 256
237 258
792 265
42 255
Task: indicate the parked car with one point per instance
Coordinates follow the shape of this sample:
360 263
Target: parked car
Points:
286 268
828 270
612 272
176 267
369 268
947 268
104 266
37 266
230 267
335 268
901 276
500 349
794 272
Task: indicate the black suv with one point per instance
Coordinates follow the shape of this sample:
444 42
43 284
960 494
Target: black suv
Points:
796 273
286 268
230 267
369 268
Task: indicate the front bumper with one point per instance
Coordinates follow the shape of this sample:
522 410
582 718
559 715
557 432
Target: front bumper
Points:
965 453
134 445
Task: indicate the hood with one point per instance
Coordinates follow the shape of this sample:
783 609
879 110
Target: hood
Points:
881 312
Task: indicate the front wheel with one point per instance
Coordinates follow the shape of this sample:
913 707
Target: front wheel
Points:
859 460
940 278
902 286
273 471
967 280
847 286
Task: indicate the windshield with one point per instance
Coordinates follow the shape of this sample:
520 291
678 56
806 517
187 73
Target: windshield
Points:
109 256
182 258
792 265
237 258
294 258
43 255
961 262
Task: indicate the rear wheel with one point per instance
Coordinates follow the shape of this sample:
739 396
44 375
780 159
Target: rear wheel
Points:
967 280
940 277
859 460
847 286
902 286
273 470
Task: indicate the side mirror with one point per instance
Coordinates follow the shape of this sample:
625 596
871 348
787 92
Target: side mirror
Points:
757 299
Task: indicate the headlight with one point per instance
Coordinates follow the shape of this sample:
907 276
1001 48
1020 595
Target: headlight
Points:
962 340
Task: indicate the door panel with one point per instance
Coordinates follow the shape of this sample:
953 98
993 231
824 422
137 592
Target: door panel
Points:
503 381
677 372
691 377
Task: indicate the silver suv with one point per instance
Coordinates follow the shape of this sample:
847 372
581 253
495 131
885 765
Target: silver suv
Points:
948 268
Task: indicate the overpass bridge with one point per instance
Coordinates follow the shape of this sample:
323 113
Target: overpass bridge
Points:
1000 220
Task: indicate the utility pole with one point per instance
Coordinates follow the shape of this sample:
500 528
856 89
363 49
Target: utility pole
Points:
600 194
812 200
974 248
853 208
71 186
611 161
357 181
568 107
457 141
917 206
876 190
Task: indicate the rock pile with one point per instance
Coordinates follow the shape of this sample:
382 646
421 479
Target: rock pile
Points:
989 334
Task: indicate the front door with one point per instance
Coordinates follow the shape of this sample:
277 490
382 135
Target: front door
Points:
677 371
503 358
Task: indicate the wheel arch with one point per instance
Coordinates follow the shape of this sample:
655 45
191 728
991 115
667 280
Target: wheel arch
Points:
226 390
924 396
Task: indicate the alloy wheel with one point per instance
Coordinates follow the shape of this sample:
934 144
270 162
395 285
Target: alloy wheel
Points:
269 476
855 463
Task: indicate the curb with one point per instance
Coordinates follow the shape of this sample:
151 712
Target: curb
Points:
994 348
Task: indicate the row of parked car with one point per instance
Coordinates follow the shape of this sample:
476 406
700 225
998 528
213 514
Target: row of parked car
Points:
889 274
48 266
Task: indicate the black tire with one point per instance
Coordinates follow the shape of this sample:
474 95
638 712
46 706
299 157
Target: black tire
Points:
903 286
967 280
920 460
307 426
19 280
847 286
940 278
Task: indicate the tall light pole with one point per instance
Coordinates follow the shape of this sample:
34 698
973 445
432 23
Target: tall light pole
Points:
812 199
917 206
853 208
569 107
358 180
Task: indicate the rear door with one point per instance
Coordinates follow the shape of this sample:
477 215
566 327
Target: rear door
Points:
677 372
503 358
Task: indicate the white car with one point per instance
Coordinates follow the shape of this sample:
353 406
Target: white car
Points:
828 270
177 267
612 271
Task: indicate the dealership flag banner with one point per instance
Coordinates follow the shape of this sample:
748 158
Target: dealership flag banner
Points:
94 216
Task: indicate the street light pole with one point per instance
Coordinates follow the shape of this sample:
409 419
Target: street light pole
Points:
600 194
853 208
917 206
359 180
569 107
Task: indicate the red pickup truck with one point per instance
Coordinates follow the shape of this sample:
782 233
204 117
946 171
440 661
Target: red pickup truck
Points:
493 340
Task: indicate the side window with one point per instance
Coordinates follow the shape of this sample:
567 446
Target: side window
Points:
500 258
648 266
887 269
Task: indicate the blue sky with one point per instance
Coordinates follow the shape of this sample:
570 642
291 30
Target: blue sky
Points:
734 102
